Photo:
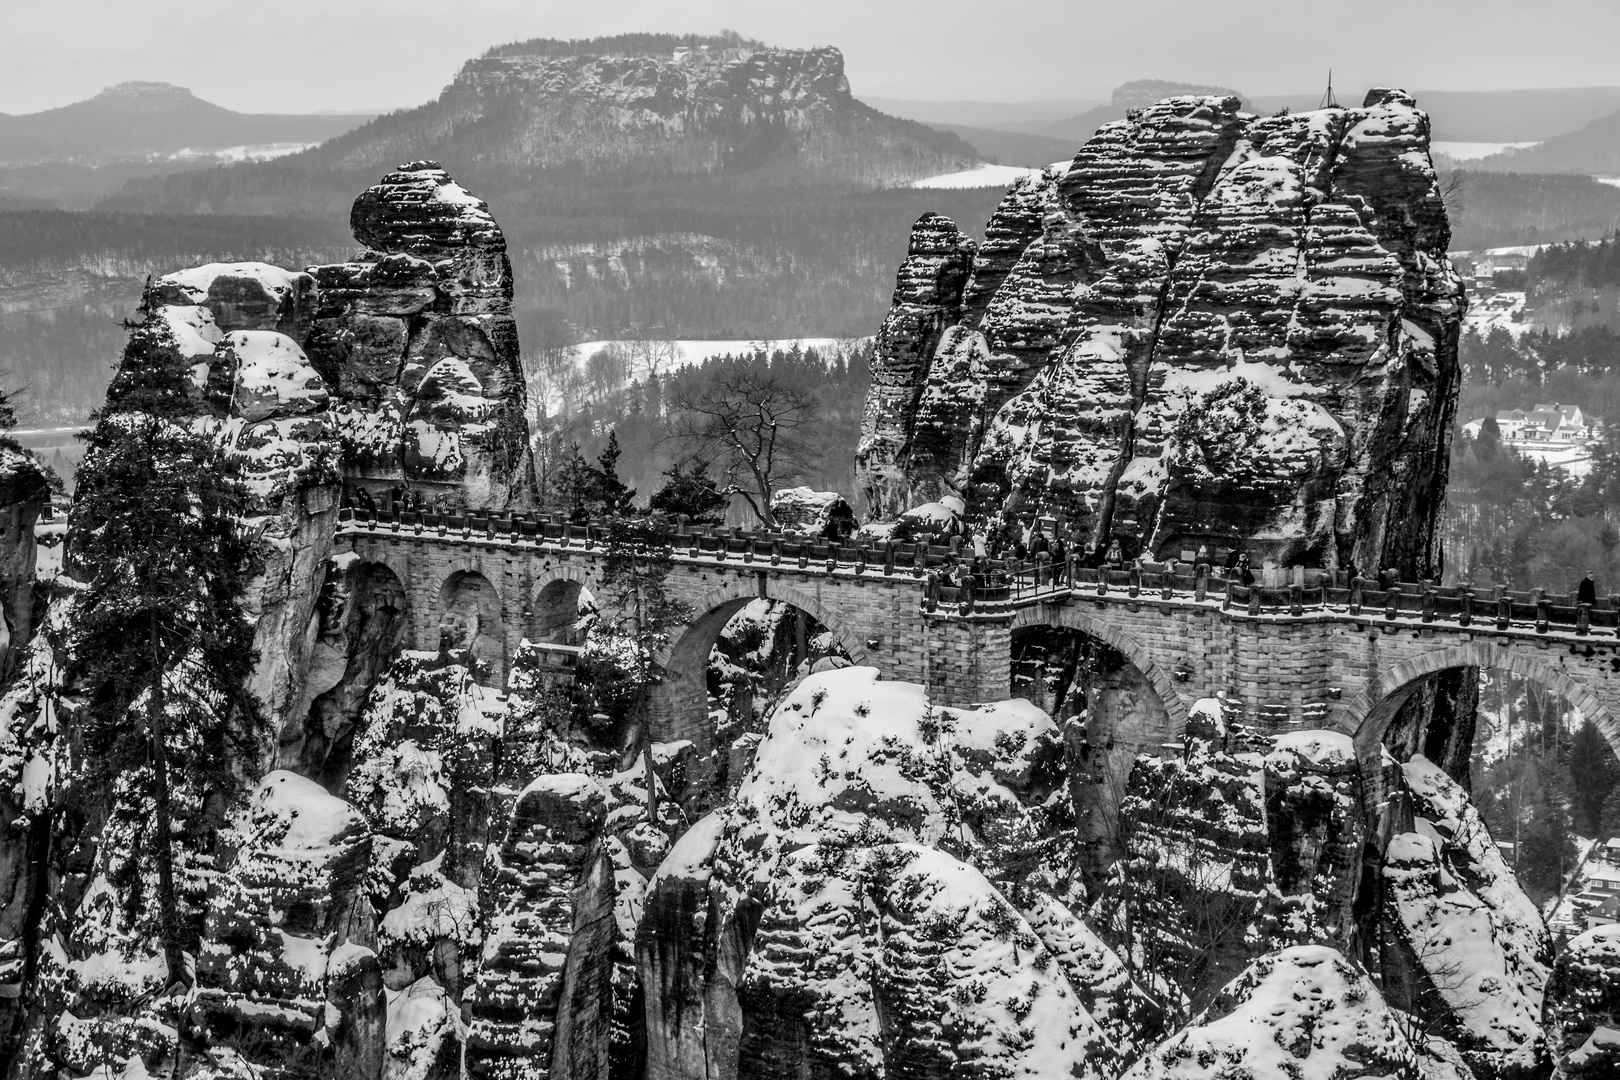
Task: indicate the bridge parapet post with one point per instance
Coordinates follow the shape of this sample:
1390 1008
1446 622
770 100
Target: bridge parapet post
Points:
1543 611
1296 599
1504 608
1583 619
1428 600
1254 599
888 558
1392 601
860 559
1133 581
1358 588
1466 616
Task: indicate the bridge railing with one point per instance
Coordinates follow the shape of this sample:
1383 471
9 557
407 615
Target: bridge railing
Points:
955 582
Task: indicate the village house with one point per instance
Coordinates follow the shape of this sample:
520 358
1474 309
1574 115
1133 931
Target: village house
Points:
1548 422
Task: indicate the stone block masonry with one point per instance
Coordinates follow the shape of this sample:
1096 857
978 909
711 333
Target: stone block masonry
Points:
1345 661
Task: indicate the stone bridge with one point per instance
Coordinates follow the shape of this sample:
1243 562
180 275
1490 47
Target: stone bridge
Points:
1336 654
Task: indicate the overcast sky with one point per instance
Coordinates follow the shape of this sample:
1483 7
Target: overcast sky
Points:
371 54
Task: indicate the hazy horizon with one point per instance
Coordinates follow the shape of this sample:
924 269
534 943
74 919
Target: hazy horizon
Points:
367 55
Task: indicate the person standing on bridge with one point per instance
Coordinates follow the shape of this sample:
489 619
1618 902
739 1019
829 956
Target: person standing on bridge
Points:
1587 591
1037 540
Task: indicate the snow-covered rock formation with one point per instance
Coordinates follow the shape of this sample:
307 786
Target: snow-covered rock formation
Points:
873 903
1583 1005
1209 326
417 340
1302 1012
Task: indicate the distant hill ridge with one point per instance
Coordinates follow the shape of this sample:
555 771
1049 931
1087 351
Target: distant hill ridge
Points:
143 119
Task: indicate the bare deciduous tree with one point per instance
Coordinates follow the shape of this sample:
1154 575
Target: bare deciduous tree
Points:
651 354
753 422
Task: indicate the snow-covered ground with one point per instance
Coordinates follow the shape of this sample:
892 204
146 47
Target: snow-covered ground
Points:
1473 151
980 177
1504 309
260 152
664 356
1574 460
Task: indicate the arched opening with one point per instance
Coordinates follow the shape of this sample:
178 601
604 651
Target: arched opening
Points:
470 619
758 654
724 671
1109 708
1532 747
559 613
558 617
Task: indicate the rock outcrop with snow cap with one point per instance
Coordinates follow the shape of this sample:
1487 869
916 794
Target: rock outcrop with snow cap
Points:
1469 952
1583 1005
1209 326
417 339
288 973
870 904
1306 1013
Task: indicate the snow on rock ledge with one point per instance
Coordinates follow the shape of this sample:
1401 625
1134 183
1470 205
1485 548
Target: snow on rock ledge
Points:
1207 326
1304 1012
1583 1005
1473 951
853 905
287 972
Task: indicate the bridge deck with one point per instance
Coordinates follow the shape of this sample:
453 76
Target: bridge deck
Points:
1006 586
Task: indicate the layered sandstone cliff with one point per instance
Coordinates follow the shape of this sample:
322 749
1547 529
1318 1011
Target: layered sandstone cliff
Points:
1208 327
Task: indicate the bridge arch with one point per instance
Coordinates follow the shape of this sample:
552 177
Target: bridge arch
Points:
680 701
553 602
1369 714
712 610
1071 617
469 614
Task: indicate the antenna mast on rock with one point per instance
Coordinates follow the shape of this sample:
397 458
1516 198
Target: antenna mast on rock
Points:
1328 100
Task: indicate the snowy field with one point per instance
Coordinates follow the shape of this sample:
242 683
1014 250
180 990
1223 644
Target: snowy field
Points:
1473 151
981 177
670 355
1504 309
262 152
1574 460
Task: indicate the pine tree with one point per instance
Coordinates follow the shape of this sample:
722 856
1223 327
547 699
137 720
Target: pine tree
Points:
1609 821
611 495
693 493
162 650
576 483
1591 771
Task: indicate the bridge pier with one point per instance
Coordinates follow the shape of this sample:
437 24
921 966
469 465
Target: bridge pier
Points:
965 661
